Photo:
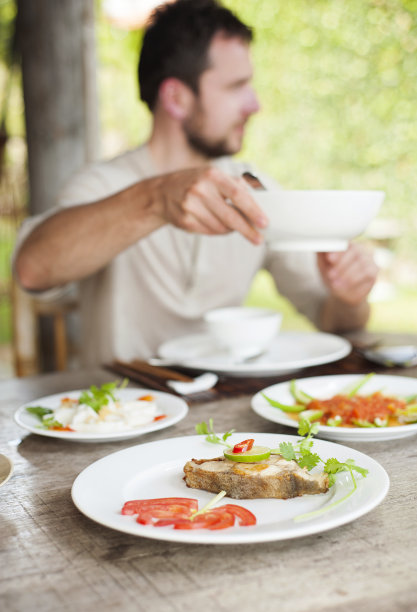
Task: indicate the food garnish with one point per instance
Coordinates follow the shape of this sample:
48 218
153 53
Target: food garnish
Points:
183 513
211 436
303 454
98 410
349 408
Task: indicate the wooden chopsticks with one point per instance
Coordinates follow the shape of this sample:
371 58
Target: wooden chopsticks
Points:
156 377
144 378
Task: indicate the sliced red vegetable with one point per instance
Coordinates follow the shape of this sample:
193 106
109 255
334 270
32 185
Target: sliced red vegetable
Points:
241 447
178 512
244 516
159 417
137 505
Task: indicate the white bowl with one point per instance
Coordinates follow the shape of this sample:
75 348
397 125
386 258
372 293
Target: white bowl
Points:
316 220
243 331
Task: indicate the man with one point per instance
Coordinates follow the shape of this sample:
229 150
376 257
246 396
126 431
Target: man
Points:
163 233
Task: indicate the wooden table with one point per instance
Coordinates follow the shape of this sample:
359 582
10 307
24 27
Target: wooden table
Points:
54 558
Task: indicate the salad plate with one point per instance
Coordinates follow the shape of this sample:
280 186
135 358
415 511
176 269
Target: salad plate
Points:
324 387
155 470
289 351
175 409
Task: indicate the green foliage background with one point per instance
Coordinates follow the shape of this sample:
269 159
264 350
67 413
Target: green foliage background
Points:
337 80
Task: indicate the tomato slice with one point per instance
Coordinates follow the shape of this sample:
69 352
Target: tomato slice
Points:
244 516
147 517
135 506
178 512
241 447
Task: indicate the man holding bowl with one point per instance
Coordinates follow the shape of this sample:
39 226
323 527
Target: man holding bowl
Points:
163 233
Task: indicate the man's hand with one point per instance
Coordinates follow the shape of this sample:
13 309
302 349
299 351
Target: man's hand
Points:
208 201
349 275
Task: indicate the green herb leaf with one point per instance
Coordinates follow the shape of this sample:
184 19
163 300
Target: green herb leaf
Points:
97 397
211 436
308 460
50 423
39 411
287 450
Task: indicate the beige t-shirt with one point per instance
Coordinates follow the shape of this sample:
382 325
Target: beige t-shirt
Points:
160 287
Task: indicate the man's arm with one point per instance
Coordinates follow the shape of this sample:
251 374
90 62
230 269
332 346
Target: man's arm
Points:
79 240
349 276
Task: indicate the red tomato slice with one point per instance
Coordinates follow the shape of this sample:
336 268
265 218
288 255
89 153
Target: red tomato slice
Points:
147 517
200 522
178 511
244 516
224 519
241 447
136 505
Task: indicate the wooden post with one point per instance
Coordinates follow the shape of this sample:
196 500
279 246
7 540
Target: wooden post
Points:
57 47
56 42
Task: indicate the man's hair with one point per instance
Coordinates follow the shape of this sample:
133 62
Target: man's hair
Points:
177 40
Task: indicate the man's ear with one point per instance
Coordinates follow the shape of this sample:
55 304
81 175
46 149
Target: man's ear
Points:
176 98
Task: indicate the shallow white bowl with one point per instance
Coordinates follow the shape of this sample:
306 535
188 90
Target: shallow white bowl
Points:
243 331
317 220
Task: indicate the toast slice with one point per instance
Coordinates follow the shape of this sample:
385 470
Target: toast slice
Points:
274 477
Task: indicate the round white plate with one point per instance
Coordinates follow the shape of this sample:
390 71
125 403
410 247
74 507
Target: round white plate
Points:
156 470
326 386
289 351
174 407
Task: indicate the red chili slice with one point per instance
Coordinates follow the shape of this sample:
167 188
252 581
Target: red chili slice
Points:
241 447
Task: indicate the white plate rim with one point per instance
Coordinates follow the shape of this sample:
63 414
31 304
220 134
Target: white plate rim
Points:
175 407
260 405
91 491
260 367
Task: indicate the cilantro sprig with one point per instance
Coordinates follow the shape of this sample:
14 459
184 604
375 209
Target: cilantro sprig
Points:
211 436
302 453
97 397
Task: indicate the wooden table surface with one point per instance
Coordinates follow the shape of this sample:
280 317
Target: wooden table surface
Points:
54 558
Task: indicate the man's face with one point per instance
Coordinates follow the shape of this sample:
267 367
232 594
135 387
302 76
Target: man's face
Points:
226 100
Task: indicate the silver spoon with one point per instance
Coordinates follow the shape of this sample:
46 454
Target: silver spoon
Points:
392 356
6 469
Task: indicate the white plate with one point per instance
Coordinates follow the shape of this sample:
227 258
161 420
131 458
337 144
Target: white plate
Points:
289 351
174 407
156 470
326 386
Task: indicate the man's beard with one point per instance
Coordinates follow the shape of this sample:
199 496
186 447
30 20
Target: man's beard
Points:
201 144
